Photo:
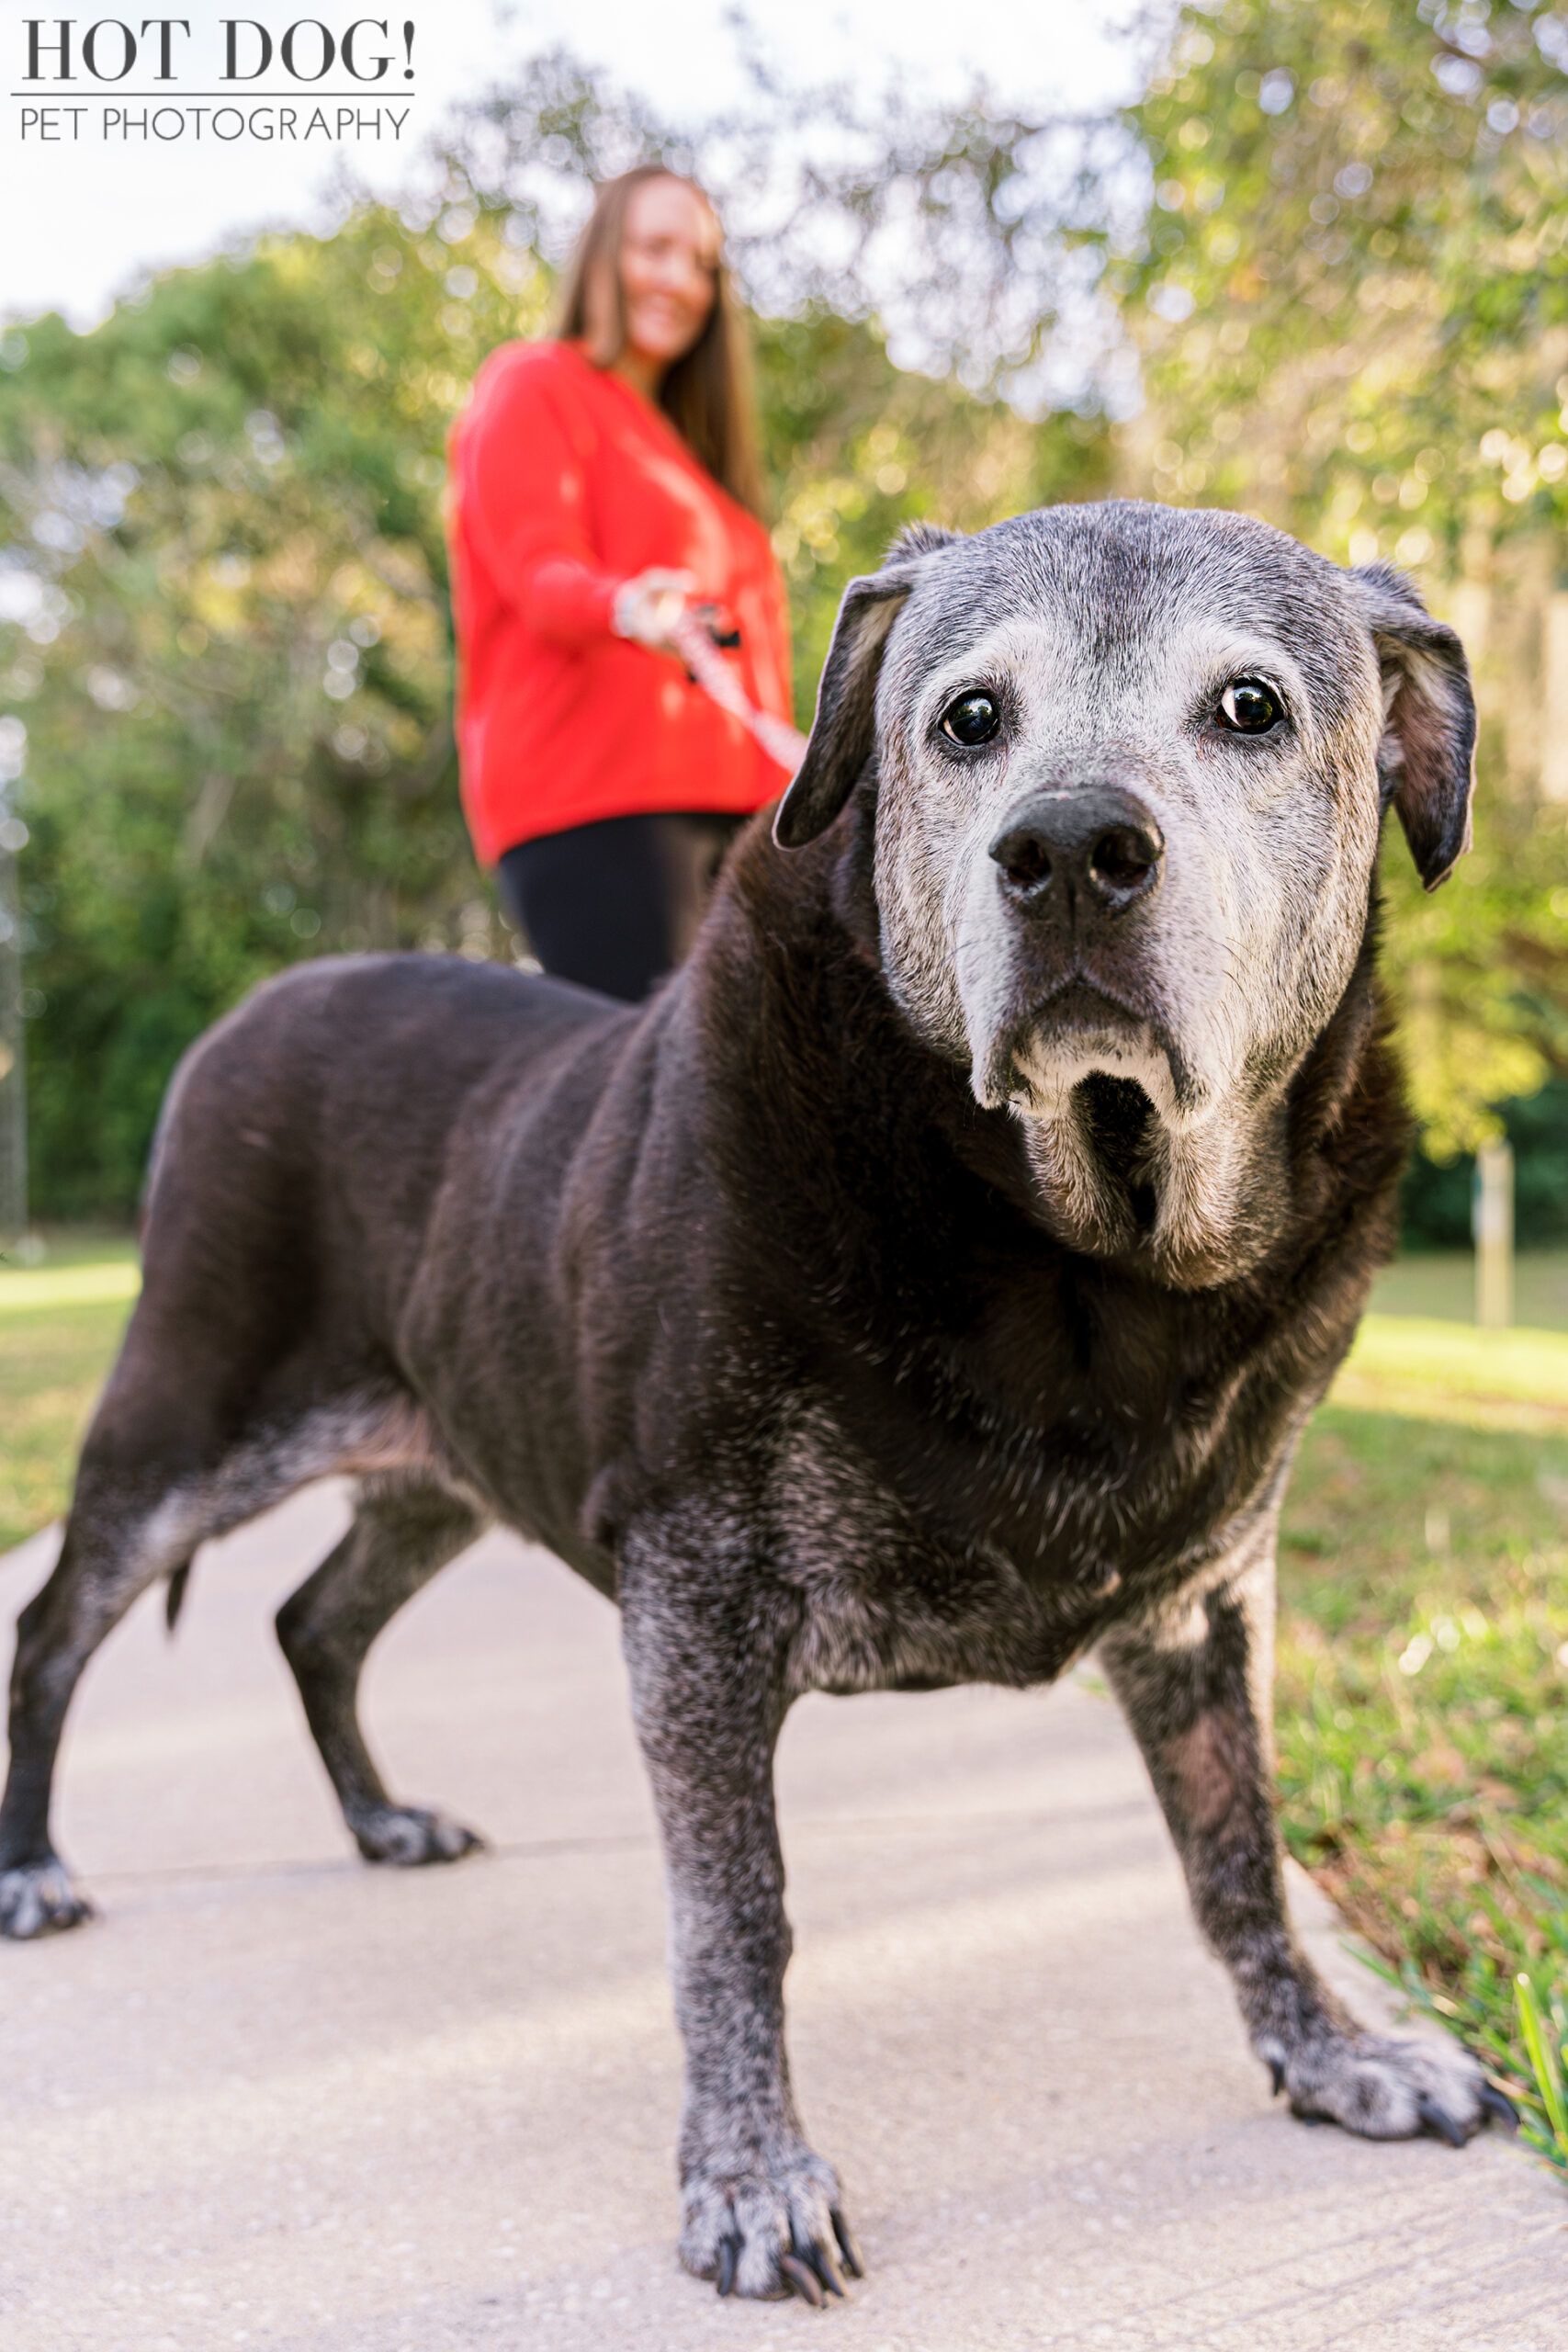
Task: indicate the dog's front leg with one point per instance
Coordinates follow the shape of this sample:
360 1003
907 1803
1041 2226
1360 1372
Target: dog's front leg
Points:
761 2213
1195 1686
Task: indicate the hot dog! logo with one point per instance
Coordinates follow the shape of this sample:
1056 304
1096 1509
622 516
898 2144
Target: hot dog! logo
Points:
154 78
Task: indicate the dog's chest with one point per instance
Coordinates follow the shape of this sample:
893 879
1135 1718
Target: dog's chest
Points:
893 1595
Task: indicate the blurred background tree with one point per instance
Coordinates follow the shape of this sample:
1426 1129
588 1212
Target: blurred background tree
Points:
1329 242
226 588
223 615
1351 302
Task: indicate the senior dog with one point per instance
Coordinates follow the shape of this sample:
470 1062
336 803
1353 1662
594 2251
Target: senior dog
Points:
929 1284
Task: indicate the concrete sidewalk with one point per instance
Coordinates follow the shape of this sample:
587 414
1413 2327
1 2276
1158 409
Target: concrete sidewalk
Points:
275 2098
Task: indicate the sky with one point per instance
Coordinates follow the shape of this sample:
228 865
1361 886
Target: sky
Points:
105 206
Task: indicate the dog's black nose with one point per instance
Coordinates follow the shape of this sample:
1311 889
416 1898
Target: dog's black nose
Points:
1103 841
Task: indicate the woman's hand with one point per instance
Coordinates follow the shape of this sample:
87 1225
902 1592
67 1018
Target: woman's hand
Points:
648 607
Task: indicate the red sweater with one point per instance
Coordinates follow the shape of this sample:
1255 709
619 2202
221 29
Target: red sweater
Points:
565 483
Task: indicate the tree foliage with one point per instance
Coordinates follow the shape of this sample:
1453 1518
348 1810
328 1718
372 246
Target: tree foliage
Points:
1351 299
223 615
973 235
230 654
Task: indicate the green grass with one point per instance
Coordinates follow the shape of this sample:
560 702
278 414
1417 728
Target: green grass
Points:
1423 1664
60 1326
1513 1379
1441 1283
1545 2038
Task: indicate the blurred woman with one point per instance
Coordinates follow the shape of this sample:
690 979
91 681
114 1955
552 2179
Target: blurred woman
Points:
605 485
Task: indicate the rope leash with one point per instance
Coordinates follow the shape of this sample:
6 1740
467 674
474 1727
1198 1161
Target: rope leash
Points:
781 742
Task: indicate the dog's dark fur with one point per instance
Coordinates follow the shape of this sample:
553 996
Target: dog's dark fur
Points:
747 1307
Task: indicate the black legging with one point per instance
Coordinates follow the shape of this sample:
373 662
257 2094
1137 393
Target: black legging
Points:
616 904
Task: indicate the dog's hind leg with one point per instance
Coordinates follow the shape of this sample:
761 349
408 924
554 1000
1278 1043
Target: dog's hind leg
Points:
126 1530
403 1532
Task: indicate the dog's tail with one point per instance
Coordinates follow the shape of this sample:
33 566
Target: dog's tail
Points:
175 1598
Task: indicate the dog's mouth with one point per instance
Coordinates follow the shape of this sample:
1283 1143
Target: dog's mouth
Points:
1116 1180
1082 1005
1118 1124
1039 1059
1132 1162
1099 1086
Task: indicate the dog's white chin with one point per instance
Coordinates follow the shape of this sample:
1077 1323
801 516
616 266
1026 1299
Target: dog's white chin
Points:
1189 1201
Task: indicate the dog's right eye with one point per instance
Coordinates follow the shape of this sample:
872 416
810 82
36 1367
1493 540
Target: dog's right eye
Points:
1248 707
973 718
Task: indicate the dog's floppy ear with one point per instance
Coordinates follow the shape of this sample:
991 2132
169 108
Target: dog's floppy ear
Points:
1426 759
844 728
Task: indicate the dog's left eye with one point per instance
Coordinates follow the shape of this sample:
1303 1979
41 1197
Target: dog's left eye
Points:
973 718
1247 708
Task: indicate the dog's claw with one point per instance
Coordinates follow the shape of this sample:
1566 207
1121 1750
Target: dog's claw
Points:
847 2247
822 2263
769 2230
41 1899
1499 2105
411 1836
1277 2076
803 2279
1439 2121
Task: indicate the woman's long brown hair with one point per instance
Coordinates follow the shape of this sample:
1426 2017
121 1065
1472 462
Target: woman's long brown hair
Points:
707 396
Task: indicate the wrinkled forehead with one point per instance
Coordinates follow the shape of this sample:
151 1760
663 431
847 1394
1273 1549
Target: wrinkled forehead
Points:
1124 599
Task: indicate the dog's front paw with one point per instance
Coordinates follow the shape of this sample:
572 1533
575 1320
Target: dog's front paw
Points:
1388 2089
408 1835
39 1899
775 2229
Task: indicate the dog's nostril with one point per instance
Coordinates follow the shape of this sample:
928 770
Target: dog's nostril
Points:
1024 858
1125 857
1105 845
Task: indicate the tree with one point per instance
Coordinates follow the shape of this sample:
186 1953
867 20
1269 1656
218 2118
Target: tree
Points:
224 614
226 581
1352 302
